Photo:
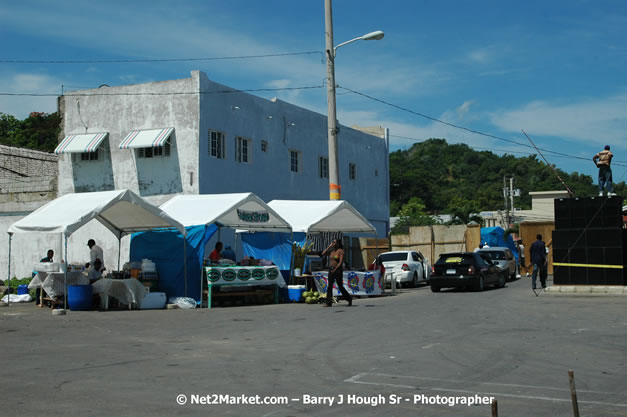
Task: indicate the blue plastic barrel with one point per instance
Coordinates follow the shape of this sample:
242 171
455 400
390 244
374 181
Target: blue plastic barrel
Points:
22 289
79 297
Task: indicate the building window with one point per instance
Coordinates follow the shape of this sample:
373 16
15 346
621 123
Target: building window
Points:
216 144
242 145
264 146
295 161
89 156
352 171
323 167
154 152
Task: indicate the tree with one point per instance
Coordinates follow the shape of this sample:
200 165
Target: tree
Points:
412 214
464 211
8 126
39 131
437 173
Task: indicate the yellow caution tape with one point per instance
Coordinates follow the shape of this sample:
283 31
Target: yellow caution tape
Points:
588 265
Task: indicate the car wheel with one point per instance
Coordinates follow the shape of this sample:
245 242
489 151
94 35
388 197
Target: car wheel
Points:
501 282
435 289
414 283
480 285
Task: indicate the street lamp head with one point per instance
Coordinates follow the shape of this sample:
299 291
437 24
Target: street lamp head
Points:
373 36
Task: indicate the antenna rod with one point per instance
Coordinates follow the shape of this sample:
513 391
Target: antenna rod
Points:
570 192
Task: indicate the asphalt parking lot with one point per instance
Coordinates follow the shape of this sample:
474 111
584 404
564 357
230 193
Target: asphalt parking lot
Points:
397 355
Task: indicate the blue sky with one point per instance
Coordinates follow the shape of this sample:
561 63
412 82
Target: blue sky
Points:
555 69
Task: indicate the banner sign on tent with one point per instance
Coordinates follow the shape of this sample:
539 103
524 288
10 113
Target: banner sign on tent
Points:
253 216
356 283
244 275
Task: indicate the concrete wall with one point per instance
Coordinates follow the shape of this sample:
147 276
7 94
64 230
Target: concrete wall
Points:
120 110
28 180
287 127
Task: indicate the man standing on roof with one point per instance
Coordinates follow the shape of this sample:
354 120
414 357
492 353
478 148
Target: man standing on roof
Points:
603 160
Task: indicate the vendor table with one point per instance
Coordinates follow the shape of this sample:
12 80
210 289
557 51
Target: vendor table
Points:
355 282
53 283
243 276
127 291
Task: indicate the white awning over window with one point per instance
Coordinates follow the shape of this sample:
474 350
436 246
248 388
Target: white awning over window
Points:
146 138
87 142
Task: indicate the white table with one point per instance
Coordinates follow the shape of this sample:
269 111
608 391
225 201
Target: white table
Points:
53 283
127 291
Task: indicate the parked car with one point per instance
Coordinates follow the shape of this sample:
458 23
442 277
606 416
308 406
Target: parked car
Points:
504 258
473 270
407 267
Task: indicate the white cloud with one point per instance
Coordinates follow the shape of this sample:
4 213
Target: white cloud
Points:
480 56
595 121
22 106
464 109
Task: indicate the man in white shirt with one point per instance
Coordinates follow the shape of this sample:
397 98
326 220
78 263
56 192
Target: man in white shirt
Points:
95 252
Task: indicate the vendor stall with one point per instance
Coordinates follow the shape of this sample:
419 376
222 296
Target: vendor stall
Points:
120 211
209 212
243 276
318 216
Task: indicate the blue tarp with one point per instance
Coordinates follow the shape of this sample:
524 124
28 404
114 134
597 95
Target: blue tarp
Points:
493 236
276 247
165 248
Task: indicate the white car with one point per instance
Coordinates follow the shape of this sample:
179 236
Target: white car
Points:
406 267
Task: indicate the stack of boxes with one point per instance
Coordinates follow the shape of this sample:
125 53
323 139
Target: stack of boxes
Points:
589 242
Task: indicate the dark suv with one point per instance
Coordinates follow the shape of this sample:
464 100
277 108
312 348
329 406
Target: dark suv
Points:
465 270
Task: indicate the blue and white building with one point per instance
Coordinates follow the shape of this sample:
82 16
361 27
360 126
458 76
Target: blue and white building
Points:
194 136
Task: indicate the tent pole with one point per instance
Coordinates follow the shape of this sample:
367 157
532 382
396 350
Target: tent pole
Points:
185 262
9 273
119 250
65 277
292 249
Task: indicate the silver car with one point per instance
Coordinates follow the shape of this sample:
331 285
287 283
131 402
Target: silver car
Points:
504 259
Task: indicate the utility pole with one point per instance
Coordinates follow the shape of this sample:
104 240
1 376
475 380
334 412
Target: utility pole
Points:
335 191
506 200
511 199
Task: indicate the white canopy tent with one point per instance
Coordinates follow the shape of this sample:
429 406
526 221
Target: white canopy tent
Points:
120 211
310 216
236 210
318 216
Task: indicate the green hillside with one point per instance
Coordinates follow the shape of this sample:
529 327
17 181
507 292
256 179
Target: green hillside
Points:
444 176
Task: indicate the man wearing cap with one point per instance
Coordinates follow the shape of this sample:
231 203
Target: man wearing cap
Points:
95 252
603 160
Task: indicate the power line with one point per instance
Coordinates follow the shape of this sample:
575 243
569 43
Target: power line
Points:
418 140
133 61
477 132
166 93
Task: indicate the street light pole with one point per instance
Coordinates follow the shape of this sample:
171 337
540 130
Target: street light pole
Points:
335 190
